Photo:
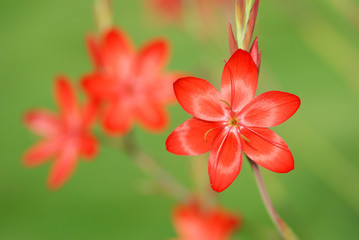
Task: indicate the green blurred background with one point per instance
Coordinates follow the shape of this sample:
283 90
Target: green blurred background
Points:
309 48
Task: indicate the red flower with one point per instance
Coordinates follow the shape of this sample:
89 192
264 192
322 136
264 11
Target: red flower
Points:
130 84
193 223
66 135
176 10
170 9
233 121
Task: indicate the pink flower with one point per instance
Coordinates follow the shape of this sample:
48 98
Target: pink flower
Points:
193 223
131 85
66 136
233 120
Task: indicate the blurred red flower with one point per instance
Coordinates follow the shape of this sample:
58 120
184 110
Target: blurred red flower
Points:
131 85
193 223
170 9
66 135
173 10
233 121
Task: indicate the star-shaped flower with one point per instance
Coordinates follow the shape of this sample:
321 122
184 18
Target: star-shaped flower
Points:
233 120
66 135
171 10
194 223
131 85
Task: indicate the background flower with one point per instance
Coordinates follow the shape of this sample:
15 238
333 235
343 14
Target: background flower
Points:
213 223
131 85
171 10
66 135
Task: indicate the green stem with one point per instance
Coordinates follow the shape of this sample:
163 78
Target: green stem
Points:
103 15
149 166
282 227
204 192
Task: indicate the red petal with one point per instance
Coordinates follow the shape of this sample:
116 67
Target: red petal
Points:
153 57
89 112
94 50
152 115
42 122
64 166
41 152
225 159
170 9
193 137
118 118
241 71
189 223
89 146
164 89
200 99
269 109
193 223
99 87
118 52
268 149
66 99
223 224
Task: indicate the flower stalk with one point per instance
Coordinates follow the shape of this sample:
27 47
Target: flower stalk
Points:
103 15
282 227
246 15
202 190
149 166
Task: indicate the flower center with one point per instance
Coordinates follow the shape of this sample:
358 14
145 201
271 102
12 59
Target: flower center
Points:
233 122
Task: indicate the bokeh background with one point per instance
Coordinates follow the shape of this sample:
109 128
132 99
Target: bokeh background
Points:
309 48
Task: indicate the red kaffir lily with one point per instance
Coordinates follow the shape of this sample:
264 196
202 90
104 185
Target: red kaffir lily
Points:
131 84
193 223
174 10
66 135
233 120
170 9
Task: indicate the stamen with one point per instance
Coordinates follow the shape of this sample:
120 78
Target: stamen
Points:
267 139
224 101
233 122
244 137
205 135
